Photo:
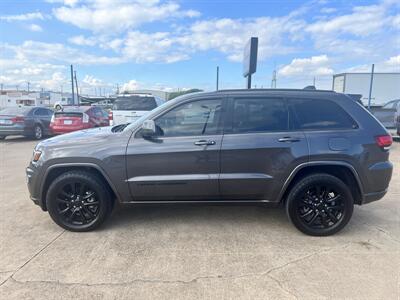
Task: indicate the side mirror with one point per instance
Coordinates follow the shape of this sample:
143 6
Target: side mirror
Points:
148 128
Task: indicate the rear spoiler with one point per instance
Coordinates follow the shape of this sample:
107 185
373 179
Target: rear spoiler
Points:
356 97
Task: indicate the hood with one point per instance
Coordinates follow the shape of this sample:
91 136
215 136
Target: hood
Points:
81 138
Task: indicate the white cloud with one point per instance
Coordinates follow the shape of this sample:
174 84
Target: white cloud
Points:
116 16
229 36
92 81
313 66
35 28
81 40
391 64
23 17
45 52
131 85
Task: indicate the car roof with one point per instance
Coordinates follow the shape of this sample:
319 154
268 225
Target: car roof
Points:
75 109
247 92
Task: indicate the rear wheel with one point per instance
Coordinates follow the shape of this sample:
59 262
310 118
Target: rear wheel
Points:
38 132
78 201
320 205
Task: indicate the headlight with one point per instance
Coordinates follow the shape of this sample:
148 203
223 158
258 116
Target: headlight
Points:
36 155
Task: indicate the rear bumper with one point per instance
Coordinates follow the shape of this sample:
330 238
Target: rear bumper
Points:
379 176
62 129
12 130
371 197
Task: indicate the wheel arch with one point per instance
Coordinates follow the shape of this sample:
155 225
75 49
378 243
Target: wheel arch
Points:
56 170
342 170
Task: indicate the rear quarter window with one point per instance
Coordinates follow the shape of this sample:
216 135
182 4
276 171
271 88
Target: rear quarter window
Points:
320 114
135 103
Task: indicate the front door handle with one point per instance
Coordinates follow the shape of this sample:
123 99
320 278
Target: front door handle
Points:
204 143
288 139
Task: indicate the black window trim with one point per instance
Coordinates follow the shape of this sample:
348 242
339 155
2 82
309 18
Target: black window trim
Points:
296 120
221 121
228 129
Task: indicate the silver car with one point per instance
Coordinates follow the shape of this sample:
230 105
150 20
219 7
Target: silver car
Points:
386 113
397 119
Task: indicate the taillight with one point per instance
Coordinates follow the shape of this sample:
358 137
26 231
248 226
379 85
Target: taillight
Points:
85 118
18 119
110 118
384 141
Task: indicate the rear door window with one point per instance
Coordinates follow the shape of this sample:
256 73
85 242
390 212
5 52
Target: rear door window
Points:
320 114
135 103
260 115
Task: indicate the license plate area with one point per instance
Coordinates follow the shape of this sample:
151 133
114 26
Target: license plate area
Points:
5 122
67 122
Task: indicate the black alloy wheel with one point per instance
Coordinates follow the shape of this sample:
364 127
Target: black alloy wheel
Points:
320 205
78 201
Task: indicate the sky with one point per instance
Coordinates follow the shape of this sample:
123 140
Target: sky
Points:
177 44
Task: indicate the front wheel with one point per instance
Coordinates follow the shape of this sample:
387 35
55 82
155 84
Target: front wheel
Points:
78 201
320 205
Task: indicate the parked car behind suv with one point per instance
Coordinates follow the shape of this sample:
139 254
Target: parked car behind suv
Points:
127 108
30 121
397 119
75 118
385 114
316 152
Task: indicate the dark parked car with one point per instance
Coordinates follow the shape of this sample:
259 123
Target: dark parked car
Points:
75 118
315 152
27 120
385 114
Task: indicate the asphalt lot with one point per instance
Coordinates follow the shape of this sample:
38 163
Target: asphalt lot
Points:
190 252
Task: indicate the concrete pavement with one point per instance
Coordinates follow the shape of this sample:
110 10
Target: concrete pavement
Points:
192 252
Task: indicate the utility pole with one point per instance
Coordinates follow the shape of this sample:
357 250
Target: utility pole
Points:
72 85
273 81
370 86
117 88
217 77
1 86
314 81
77 91
28 84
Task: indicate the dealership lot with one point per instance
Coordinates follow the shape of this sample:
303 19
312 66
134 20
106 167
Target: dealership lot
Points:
189 252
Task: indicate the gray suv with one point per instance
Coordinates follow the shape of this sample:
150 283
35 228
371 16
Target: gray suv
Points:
316 152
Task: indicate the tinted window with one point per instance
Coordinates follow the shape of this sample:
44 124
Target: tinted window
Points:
321 115
191 119
42 112
134 103
260 115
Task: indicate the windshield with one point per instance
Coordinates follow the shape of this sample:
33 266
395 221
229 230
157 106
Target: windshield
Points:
135 103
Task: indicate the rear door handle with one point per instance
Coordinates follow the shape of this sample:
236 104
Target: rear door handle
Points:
288 139
204 143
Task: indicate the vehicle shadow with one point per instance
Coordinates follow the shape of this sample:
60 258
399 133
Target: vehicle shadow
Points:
130 216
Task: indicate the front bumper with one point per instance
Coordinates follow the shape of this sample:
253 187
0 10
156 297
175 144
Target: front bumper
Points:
34 184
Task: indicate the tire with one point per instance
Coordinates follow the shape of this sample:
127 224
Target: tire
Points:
37 132
2 137
78 201
320 205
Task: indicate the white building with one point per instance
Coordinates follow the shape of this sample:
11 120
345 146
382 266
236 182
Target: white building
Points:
16 98
385 86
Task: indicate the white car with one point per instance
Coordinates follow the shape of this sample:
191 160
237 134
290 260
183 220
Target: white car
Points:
127 108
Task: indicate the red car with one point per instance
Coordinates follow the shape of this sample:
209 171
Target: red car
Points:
78 117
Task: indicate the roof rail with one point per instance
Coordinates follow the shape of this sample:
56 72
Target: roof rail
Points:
277 90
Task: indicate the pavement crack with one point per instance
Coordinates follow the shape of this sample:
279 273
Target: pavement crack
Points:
383 231
33 257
